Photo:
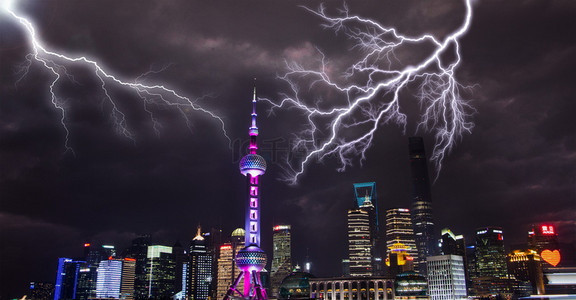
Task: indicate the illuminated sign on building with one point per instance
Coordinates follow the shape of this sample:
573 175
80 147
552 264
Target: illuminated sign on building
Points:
547 229
551 257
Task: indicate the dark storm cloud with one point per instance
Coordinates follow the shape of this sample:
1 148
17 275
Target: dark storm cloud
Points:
517 166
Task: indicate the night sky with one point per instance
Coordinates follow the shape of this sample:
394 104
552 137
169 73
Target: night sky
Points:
517 167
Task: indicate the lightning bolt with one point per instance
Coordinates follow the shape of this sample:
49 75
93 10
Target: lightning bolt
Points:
56 63
371 88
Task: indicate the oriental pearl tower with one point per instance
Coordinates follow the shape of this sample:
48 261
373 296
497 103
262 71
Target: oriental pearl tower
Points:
251 259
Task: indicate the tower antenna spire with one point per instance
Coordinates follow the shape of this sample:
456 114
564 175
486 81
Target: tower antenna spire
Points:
251 259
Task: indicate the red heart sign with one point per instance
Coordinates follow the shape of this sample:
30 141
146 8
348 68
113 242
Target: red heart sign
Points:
551 257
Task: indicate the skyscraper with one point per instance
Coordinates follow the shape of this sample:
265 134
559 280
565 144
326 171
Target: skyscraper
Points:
359 243
227 269
543 238
139 251
251 259
399 229
200 268
160 267
490 253
109 279
451 244
282 256
421 202
67 278
116 279
446 279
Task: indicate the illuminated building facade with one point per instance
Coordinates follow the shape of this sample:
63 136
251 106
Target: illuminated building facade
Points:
451 244
399 260
282 256
67 278
109 279
410 285
200 268
227 269
490 253
399 229
446 280
251 259
421 202
526 265
350 288
160 267
116 279
359 243
543 237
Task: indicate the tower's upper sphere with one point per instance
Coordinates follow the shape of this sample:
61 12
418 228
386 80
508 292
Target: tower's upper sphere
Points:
252 164
251 258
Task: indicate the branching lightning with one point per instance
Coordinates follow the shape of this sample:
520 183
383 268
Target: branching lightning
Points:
372 88
56 64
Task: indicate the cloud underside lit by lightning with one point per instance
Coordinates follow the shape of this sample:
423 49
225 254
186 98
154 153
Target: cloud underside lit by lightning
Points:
58 65
370 92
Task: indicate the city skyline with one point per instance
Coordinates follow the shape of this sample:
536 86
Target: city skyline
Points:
517 167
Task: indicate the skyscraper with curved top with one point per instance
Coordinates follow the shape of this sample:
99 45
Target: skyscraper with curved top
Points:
251 259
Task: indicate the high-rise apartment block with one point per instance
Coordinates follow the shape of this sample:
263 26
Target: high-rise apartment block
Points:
282 256
421 202
446 280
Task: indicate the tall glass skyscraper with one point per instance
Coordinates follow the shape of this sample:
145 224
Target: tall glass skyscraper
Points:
421 202
282 256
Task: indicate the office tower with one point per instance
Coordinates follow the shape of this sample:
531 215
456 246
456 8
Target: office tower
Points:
41 291
139 251
180 258
87 274
399 261
543 239
526 265
128 278
421 202
251 259
200 268
399 229
451 244
365 197
446 277
359 243
67 278
490 253
282 256
227 269
160 267
109 279
213 239
116 279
